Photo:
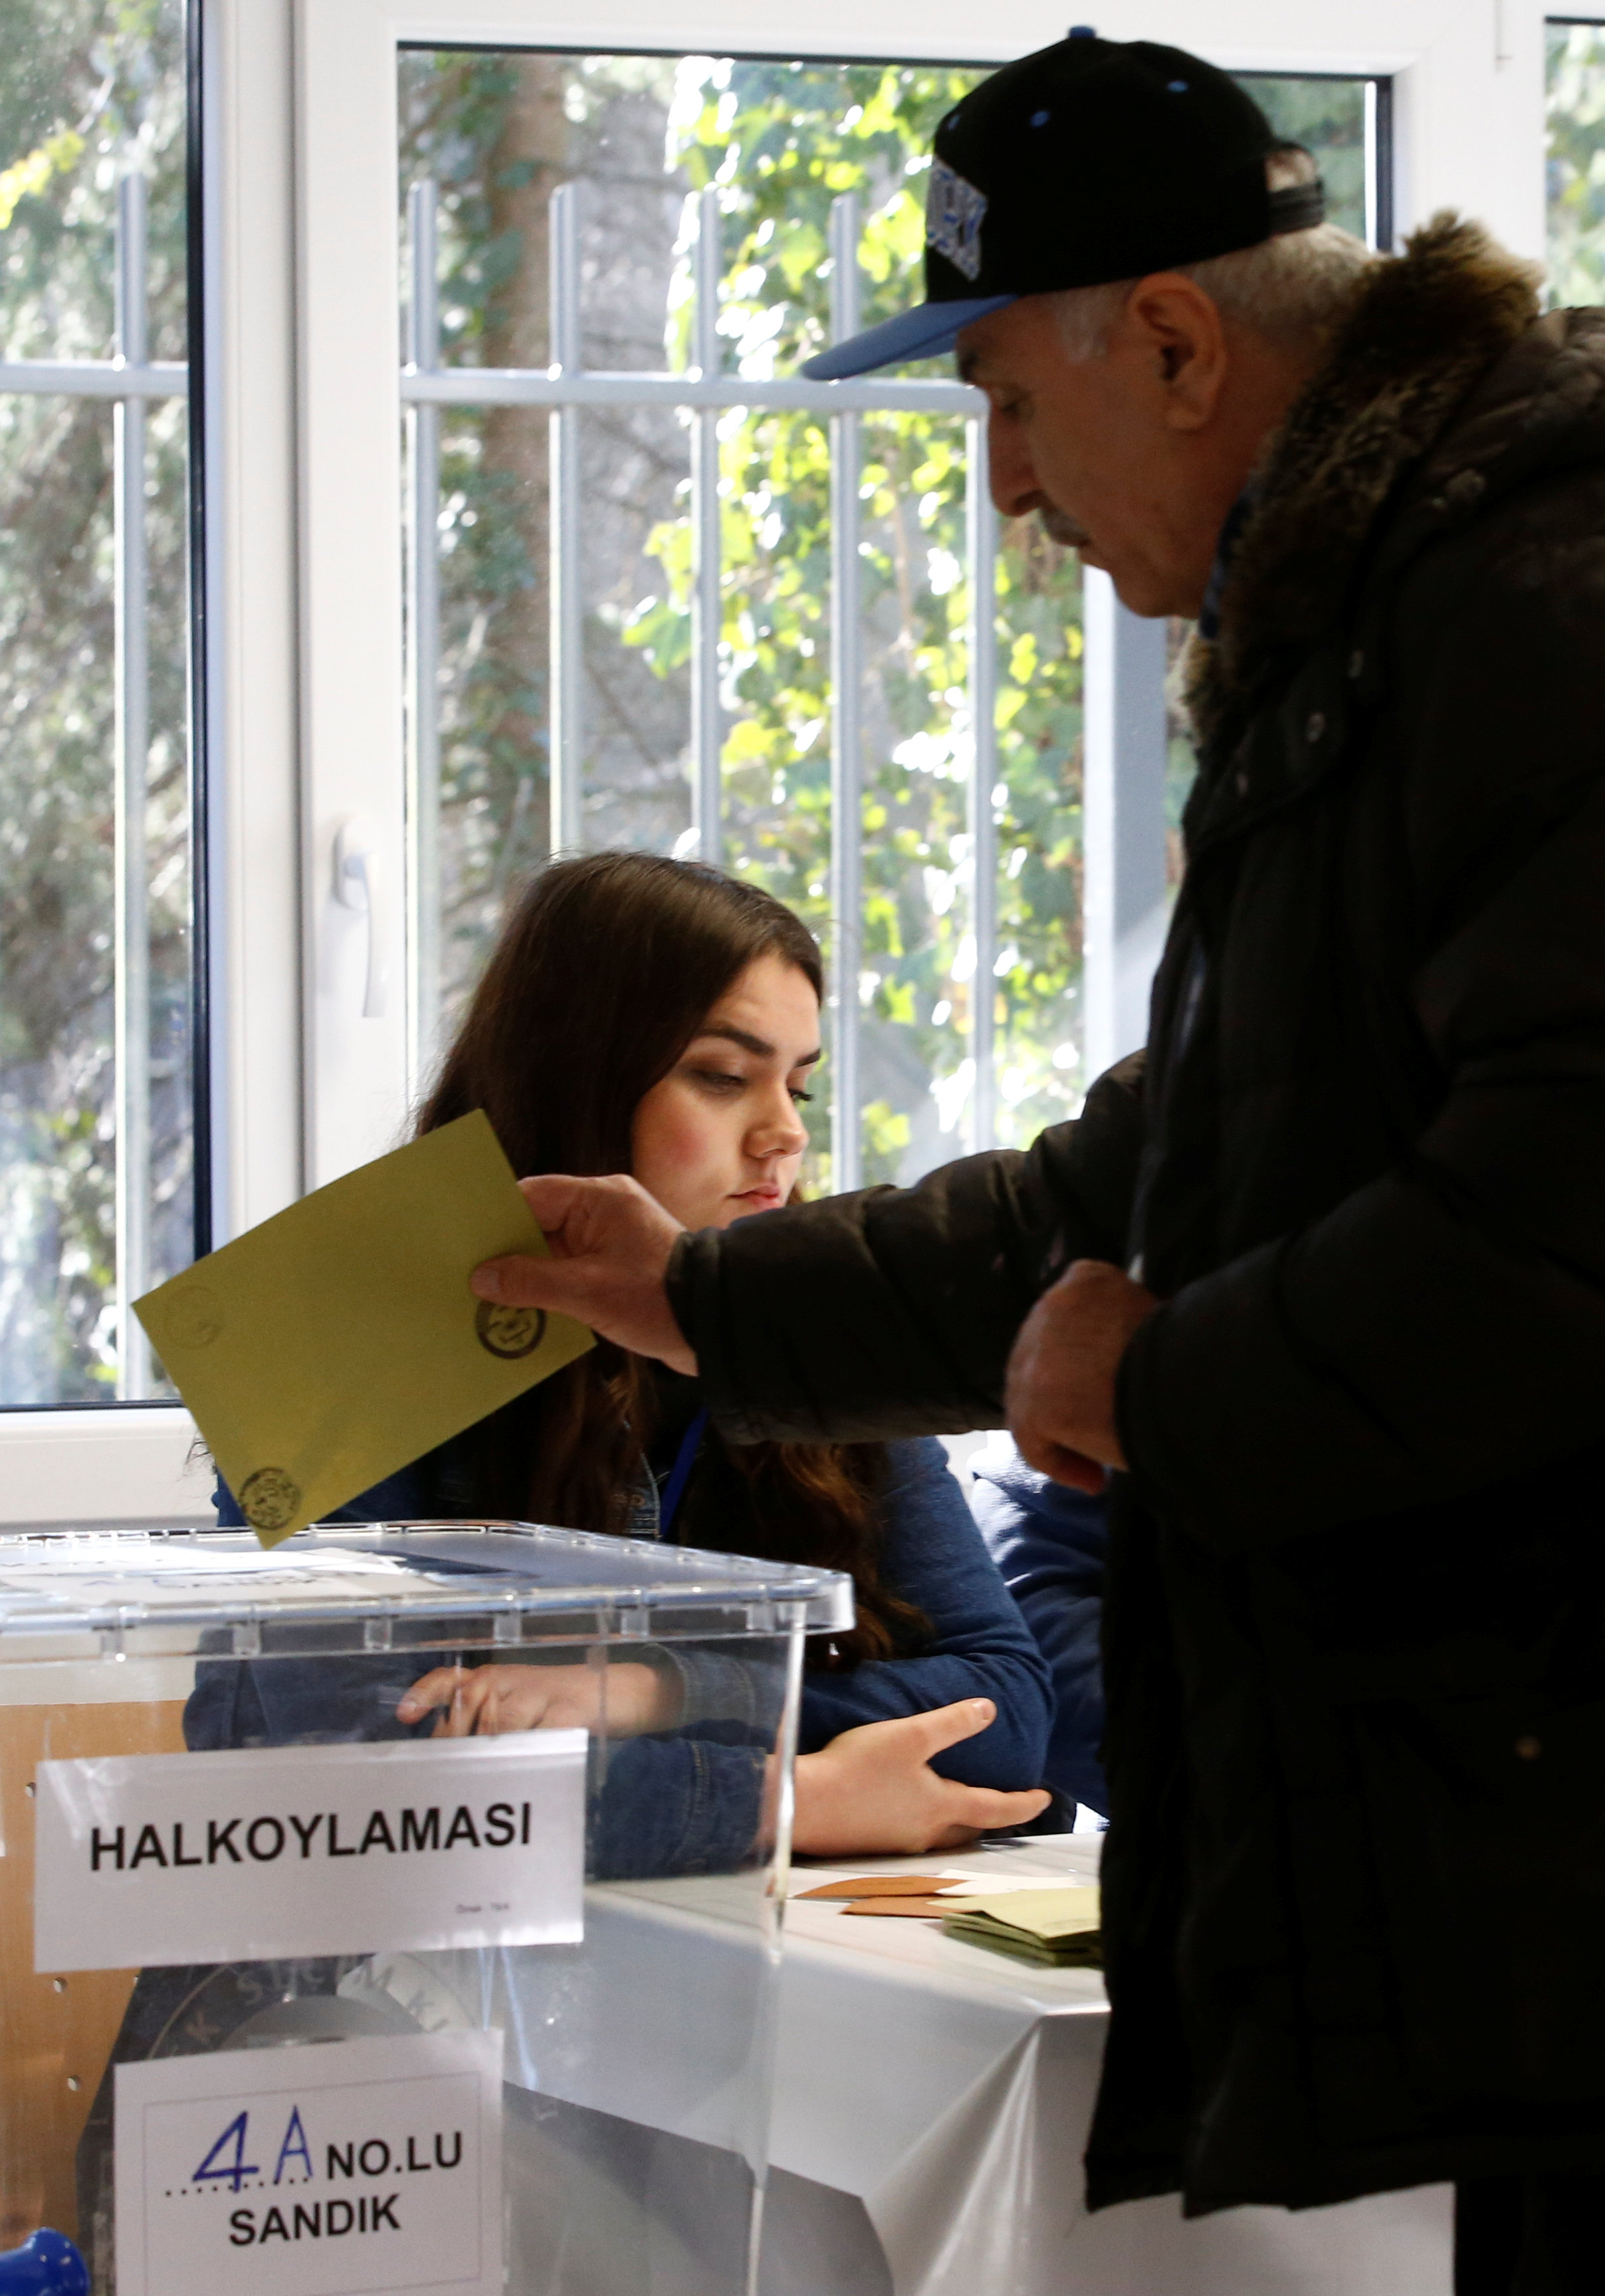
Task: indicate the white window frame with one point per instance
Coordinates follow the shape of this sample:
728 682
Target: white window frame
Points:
303 477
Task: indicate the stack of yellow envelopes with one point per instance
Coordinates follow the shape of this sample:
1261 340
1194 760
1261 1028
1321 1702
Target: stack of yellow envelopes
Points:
1051 1928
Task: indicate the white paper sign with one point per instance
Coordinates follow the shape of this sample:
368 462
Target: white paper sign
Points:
275 1852
352 2167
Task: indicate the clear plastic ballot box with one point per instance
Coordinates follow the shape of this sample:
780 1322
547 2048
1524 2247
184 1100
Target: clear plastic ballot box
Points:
297 1992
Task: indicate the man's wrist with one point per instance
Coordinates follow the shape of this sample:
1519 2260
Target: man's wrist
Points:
677 1283
691 1285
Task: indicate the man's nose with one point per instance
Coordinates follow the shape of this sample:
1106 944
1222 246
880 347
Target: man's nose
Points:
1011 471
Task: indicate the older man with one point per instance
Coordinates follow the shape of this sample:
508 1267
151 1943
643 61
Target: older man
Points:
1324 1285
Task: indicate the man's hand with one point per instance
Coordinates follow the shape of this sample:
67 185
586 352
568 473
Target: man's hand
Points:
1062 1374
871 1792
610 1243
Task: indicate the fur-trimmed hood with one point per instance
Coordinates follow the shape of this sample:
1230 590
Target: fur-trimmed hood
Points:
1427 326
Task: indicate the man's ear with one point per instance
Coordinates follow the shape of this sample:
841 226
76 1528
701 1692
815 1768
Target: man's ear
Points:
1175 330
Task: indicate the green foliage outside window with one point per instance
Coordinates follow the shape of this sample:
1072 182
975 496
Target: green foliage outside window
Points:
781 141
90 88
1575 108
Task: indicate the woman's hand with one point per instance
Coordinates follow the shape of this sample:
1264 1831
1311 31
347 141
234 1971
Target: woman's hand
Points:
485 1701
871 1792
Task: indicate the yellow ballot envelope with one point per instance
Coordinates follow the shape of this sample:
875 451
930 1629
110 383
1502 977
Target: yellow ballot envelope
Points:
339 1340
1054 1927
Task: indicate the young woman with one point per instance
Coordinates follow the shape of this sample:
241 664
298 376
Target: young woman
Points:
657 1017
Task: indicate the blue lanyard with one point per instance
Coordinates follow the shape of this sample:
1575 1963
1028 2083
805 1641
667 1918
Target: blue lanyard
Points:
679 1474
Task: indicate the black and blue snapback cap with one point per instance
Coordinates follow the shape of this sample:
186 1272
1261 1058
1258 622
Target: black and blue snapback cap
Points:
1089 161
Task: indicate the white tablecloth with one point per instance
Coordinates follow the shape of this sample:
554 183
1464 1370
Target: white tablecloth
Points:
948 2091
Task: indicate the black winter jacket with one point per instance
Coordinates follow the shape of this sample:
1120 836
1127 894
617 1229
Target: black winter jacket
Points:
1355 1630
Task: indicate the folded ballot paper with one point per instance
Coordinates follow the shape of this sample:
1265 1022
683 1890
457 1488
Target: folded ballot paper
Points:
338 1342
1051 1928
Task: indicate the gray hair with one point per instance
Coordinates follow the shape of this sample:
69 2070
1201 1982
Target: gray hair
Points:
1292 291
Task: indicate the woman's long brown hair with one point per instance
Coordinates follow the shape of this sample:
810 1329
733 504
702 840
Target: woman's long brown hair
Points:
604 973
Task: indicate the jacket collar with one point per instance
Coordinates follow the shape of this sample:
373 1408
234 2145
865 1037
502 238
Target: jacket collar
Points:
1426 325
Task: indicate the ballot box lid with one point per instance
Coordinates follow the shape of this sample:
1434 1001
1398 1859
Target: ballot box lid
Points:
500 1580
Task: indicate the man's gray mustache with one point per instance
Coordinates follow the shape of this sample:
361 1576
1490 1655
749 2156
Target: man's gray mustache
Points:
1060 527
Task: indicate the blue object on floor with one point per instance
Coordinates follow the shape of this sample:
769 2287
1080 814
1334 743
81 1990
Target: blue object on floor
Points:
47 2264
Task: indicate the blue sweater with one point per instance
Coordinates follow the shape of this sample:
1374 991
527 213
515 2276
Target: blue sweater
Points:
981 1647
1049 1542
699 1789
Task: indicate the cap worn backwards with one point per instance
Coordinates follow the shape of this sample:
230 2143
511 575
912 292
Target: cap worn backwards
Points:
1089 161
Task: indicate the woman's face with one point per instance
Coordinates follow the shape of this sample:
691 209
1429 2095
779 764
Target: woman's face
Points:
721 1136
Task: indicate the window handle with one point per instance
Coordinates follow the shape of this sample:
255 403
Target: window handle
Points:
359 884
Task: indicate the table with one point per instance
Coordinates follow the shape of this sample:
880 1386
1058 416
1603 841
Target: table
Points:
931 2104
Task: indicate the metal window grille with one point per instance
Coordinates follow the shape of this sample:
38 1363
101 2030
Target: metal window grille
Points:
567 387
1124 899
130 380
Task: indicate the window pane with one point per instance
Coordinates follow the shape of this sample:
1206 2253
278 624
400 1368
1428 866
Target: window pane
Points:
1328 118
92 92
1576 163
641 136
